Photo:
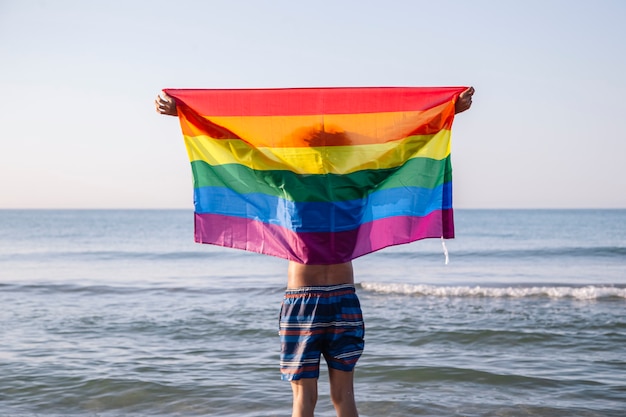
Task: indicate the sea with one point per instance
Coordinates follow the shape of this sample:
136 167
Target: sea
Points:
119 313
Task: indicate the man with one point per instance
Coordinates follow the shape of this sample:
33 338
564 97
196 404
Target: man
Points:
320 315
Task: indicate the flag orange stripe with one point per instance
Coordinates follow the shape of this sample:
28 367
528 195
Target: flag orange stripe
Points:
320 130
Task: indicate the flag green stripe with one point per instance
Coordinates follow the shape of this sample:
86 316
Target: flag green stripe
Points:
322 187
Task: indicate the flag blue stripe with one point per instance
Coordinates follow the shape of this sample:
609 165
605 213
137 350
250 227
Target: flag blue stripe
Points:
323 216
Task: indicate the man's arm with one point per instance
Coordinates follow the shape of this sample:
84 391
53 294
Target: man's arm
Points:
165 105
464 102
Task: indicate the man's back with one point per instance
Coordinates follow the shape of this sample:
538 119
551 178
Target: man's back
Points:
300 275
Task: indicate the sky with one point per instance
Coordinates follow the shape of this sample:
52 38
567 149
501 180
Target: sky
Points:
78 128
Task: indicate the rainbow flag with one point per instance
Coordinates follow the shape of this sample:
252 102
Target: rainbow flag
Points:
319 175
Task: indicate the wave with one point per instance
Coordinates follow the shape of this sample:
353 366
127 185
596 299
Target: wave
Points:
589 292
517 253
126 288
618 252
117 255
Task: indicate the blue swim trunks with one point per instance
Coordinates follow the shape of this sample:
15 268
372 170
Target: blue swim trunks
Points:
317 321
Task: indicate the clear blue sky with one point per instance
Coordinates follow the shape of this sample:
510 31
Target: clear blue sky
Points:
78 79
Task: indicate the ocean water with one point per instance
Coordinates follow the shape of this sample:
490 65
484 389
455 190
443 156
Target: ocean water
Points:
118 313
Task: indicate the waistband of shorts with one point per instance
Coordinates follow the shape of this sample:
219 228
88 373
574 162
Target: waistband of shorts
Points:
322 289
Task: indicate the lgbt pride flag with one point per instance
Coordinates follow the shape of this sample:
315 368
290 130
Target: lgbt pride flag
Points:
319 175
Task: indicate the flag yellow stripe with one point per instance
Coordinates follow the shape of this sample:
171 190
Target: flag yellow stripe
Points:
319 160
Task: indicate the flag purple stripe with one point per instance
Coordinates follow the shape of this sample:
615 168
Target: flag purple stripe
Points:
320 247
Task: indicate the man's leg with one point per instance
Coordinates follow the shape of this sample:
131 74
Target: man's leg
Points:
342 392
304 397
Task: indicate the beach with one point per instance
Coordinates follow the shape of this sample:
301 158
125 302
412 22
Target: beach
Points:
119 313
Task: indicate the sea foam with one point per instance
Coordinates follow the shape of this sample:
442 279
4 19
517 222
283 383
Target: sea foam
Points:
589 292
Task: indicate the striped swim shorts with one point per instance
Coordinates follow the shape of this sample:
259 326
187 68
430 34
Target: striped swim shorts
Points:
317 321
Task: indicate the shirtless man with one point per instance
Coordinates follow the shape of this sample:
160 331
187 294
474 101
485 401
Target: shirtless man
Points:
314 293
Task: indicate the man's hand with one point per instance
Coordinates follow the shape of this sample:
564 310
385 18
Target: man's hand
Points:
165 105
464 101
